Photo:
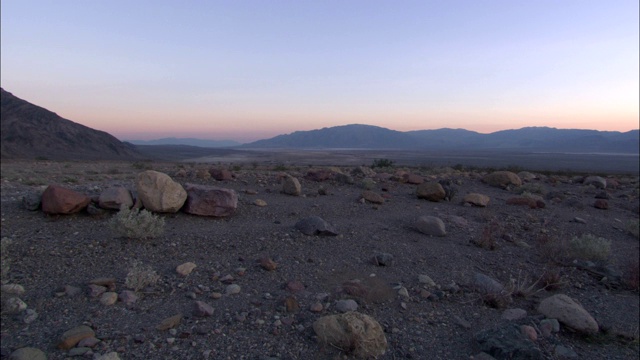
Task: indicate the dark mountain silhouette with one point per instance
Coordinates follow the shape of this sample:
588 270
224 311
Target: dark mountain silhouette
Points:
30 131
537 139
187 141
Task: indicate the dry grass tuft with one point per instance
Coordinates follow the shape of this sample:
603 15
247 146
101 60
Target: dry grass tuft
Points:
139 277
137 224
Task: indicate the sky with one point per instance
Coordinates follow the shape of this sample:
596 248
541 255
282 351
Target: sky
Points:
249 70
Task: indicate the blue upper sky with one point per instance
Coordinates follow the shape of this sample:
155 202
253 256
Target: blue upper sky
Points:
254 69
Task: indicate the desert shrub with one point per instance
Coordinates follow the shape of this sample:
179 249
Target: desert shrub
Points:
633 227
381 163
488 238
236 167
139 165
41 158
139 277
531 188
137 224
5 262
280 167
590 247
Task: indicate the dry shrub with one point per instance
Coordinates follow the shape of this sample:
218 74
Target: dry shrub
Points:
498 300
590 247
137 224
139 277
551 247
489 235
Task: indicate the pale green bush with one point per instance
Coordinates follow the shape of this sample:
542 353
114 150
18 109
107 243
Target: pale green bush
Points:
590 247
137 224
139 277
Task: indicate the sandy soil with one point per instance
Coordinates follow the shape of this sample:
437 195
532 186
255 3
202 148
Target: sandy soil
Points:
48 253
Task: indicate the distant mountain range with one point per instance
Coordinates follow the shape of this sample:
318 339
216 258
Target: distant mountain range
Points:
186 141
30 131
539 139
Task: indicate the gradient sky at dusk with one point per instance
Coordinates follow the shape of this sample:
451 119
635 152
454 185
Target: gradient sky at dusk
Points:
247 70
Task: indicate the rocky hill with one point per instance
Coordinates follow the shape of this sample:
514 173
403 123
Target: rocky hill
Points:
30 131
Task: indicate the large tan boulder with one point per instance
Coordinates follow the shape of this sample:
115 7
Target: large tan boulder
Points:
352 332
431 191
59 200
476 199
568 312
210 200
159 193
291 186
502 179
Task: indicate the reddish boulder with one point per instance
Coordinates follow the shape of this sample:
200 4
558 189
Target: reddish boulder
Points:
59 200
220 174
210 201
601 204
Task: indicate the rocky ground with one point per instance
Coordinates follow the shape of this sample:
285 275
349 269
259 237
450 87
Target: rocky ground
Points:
260 284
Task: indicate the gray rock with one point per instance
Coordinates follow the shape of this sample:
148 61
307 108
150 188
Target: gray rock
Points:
568 312
115 197
346 305
477 199
200 308
383 259
431 225
28 353
514 314
32 201
507 342
487 285
315 225
291 186
13 305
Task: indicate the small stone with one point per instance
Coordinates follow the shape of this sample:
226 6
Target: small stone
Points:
128 297
291 304
295 286
13 289
108 356
72 291
346 305
579 220
601 204
108 298
30 316
268 264
563 352
78 351
529 332
425 279
13 305
259 202
186 268
89 342
170 322
96 290
232 289
28 353
215 295
201 308
514 314
73 336
383 259
403 292
316 307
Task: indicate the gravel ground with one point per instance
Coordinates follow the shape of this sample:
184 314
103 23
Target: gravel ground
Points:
48 253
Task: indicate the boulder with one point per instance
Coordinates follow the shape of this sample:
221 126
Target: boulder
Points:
220 174
114 197
353 332
319 175
159 193
477 199
502 179
507 342
315 225
431 191
59 200
601 204
372 197
431 225
32 201
414 179
73 336
28 353
526 176
210 201
568 312
291 186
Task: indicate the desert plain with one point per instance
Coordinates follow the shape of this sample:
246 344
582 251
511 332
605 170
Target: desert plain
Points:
260 284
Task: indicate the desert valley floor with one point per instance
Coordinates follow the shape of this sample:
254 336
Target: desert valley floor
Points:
283 281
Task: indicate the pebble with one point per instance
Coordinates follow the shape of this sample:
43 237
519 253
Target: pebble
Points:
425 279
186 268
13 289
215 295
232 289
201 308
108 298
513 314
346 305
73 336
316 307
14 305
403 292
28 353
30 316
